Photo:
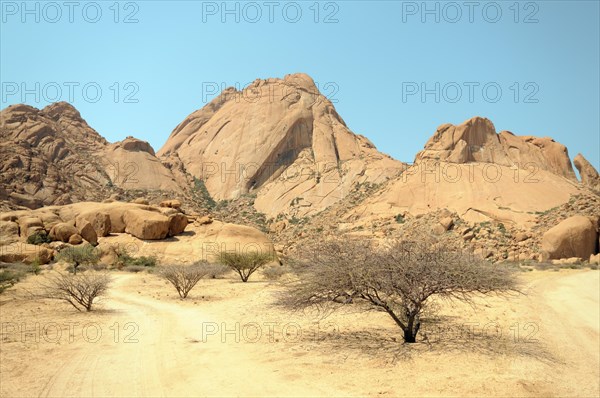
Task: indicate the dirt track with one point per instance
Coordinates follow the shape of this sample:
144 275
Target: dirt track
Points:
163 348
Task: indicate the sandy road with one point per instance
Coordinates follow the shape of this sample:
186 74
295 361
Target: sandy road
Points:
569 306
157 348
169 358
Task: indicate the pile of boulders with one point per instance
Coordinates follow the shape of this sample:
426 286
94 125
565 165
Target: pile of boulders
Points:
84 222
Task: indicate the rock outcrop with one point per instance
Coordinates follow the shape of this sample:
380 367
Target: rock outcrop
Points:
589 174
476 141
52 156
576 236
280 139
480 175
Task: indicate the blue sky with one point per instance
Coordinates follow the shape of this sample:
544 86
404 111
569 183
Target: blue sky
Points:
373 59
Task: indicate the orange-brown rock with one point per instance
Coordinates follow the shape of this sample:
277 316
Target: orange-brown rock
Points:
52 156
22 252
589 174
9 232
576 236
281 139
173 203
62 232
75 239
99 220
476 141
87 231
177 224
144 224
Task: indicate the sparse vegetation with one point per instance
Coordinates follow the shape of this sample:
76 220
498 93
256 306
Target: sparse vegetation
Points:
202 191
185 277
9 277
245 264
134 264
400 279
38 237
78 290
274 273
79 255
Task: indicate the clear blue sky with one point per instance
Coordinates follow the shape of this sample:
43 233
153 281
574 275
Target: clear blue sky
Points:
370 56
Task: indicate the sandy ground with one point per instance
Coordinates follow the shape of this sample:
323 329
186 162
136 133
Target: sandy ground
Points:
230 339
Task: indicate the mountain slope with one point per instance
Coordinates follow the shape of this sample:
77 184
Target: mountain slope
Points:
52 156
281 140
481 175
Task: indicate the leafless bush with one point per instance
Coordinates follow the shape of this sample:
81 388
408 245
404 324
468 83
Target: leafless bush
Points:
274 272
399 278
78 290
185 277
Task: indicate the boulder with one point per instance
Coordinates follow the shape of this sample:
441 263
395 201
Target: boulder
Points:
29 225
87 231
144 224
75 239
595 259
438 229
177 224
204 220
9 232
447 223
62 232
174 203
140 201
574 237
521 236
101 221
22 252
49 219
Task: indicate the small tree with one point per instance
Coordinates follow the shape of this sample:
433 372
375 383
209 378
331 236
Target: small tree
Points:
399 279
78 290
245 264
185 277
79 255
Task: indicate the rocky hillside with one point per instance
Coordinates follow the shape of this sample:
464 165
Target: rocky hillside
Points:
276 156
281 140
480 175
52 156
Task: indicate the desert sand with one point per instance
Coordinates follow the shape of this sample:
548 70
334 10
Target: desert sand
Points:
231 339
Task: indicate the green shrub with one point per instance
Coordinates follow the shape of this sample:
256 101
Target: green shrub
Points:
9 277
245 264
79 255
399 219
38 237
124 260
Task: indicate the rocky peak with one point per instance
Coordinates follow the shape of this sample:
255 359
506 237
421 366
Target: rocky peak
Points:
133 144
476 140
589 174
280 136
61 109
